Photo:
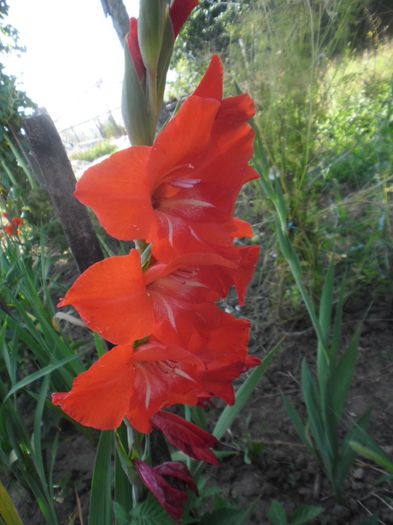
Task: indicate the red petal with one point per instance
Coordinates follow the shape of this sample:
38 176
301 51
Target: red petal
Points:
236 109
242 229
171 499
134 49
163 376
183 139
211 85
186 436
225 356
179 12
100 397
111 298
249 256
119 192
179 471
10 230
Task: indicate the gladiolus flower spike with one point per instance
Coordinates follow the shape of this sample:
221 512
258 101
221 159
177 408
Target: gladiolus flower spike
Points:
174 344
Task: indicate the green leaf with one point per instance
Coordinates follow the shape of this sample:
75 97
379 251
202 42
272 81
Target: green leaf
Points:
123 488
313 405
377 455
371 520
100 345
8 512
296 421
342 376
42 373
337 328
276 513
229 414
38 419
345 459
326 303
325 316
305 514
229 516
121 516
150 512
100 512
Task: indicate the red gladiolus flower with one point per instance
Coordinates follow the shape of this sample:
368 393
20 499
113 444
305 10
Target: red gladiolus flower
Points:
179 12
10 230
122 303
186 436
180 193
170 498
17 221
134 384
13 228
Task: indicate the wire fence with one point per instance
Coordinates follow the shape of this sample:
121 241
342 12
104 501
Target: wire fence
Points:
103 126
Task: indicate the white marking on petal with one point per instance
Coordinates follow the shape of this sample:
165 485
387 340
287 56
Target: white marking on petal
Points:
169 311
148 386
196 284
194 234
170 229
181 373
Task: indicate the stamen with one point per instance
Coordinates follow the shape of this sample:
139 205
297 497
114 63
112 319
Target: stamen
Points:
186 184
190 202
187 166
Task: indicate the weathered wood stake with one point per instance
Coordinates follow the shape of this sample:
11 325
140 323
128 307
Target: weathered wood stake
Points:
58 178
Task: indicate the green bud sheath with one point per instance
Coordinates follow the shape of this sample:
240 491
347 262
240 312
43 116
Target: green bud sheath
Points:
139 121
153 15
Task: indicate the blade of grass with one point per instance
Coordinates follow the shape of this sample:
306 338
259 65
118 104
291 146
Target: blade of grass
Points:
42 373
342 377
8 512
100 512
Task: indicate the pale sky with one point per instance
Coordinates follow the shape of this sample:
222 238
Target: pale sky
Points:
73 63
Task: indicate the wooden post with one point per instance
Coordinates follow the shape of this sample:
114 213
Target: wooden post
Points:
120 19
58 178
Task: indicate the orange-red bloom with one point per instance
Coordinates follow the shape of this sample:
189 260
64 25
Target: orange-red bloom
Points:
122 303
13 228
179 194
134 384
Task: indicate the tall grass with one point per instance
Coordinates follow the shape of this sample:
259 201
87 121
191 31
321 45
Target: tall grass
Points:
324 116
35 359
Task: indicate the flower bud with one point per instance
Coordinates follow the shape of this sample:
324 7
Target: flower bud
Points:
135 108
153 15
